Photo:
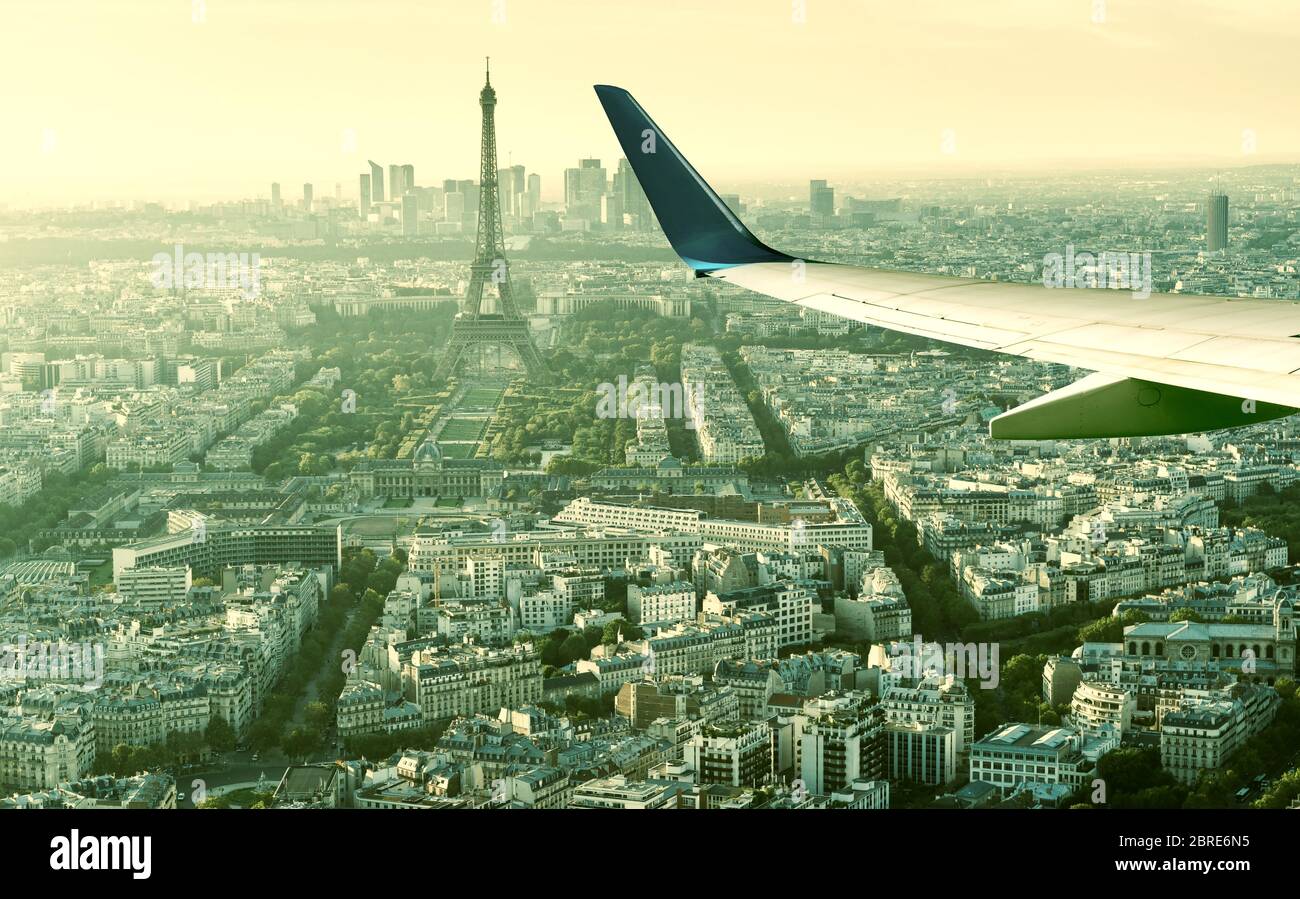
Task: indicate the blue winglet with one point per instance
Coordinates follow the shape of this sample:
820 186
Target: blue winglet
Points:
700 227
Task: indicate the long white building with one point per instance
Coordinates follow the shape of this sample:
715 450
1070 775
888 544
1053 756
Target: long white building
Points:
848 529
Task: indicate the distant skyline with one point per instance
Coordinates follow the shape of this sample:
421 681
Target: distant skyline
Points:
138 101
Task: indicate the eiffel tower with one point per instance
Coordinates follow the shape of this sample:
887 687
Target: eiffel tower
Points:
505 327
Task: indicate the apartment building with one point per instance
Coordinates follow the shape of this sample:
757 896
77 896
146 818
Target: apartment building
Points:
1208 727
942 701
839 741
599 550
208 550
467 679
492 624
924 753
676 697
1096 705
733 755
661 603
155 586
791 604
39 752
19 481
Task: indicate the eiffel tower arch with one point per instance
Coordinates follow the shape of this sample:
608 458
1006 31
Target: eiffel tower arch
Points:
505 326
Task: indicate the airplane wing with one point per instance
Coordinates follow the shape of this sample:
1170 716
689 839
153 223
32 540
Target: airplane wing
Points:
1164 364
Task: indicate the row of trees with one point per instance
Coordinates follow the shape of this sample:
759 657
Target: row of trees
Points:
125 759
343 621
583 706
381 746
939 612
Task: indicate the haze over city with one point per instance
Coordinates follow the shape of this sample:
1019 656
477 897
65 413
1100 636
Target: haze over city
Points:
175 101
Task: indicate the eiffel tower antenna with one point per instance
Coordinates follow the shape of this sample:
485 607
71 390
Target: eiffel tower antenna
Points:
505 327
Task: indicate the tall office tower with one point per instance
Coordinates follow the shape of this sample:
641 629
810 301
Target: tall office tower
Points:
535 191
410 213
396 187
517 182
376 182
275 193
583 188
306 197
505 326
821 201
634 199
430 198
733 202
408 176
471 192
453 206
611 211
364 206
524 210
572 187
594 180
1216 225
449 185
504 181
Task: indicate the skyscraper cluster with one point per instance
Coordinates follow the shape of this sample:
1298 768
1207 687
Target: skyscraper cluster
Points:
592 198
521 193
401 182
450 208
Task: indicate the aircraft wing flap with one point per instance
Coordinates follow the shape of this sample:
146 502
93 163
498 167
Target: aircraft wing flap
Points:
1283 389
1245 318
1254 353
1139 341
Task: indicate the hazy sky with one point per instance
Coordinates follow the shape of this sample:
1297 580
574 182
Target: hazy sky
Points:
132 99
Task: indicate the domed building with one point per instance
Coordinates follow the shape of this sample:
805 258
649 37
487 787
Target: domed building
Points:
427 473
1256 652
